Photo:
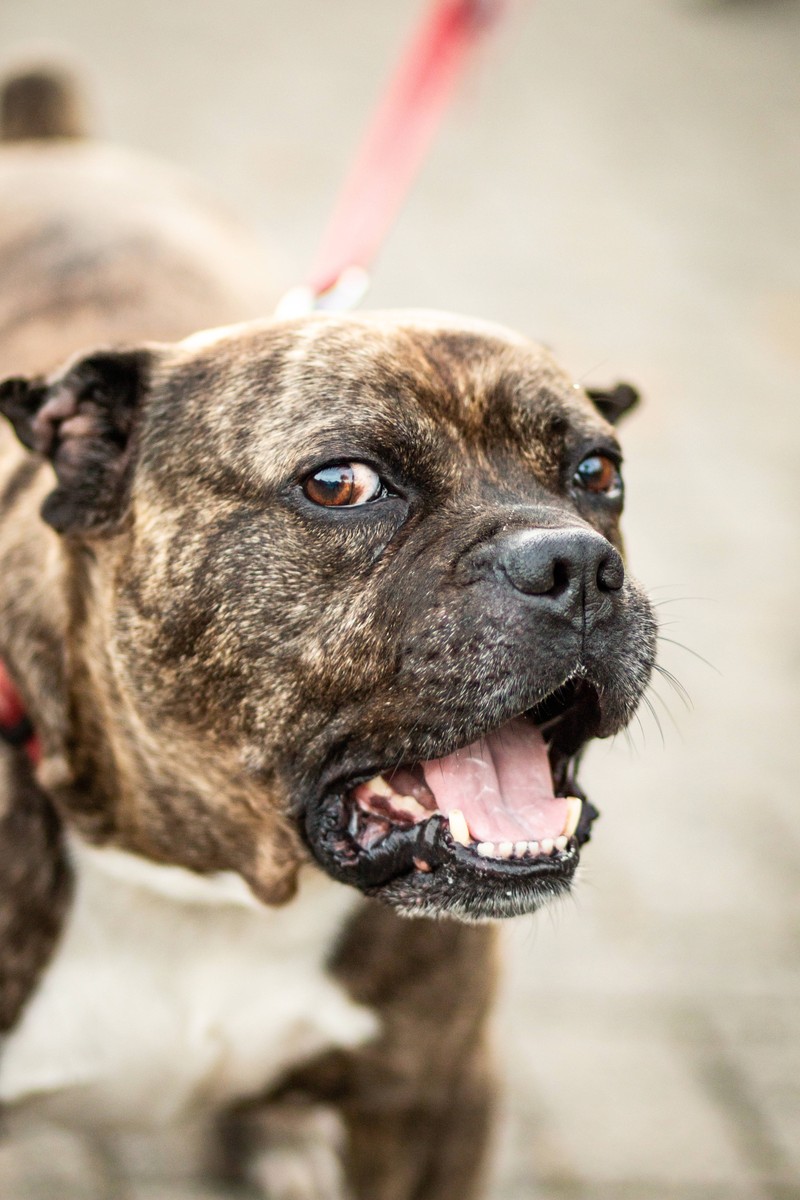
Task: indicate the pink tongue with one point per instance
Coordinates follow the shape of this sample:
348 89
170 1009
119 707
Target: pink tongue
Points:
502 785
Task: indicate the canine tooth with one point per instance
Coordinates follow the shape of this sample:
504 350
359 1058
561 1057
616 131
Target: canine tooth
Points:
547 845
561 842
486 849
379 786
520 848
459 830
505 849
574 806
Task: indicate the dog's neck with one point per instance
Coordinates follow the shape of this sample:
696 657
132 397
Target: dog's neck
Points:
221 889
104 771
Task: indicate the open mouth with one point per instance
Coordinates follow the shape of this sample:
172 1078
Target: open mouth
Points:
504 810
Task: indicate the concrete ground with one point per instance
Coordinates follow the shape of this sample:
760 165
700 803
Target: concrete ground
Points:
622 181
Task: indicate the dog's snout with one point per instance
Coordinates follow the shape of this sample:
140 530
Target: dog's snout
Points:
561 566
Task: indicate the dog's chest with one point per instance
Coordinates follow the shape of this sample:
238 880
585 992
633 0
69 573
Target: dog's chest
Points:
171 994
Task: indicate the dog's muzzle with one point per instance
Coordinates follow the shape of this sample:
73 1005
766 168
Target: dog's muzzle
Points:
493 825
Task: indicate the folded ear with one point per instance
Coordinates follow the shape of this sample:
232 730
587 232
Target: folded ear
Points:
83 421
614 404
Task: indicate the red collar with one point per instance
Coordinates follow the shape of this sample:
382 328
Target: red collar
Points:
15 724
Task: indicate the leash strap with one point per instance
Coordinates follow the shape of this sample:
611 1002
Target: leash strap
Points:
393 149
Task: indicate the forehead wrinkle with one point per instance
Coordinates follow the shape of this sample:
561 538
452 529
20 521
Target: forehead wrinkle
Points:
425 391
333 386
397 435
424 381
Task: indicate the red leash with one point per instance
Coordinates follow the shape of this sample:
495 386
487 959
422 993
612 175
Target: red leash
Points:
393 149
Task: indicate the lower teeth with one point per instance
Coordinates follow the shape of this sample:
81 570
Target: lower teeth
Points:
520 849
547 846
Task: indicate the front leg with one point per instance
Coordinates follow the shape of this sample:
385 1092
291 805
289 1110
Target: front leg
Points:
289 1149
405 1117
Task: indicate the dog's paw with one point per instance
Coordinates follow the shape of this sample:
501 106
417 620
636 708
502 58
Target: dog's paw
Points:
300 1157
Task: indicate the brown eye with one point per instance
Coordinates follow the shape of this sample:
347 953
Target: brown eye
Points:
344 485
599 474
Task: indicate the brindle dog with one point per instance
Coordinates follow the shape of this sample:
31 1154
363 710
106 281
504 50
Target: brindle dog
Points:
292 605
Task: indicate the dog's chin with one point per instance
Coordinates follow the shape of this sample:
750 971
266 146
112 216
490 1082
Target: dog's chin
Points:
485 830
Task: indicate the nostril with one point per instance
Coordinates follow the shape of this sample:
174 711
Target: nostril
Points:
610 572
561 577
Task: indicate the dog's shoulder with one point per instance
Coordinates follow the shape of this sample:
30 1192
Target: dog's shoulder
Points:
171 991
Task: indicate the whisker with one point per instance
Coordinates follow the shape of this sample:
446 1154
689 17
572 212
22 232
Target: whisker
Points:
675 684
591 370
408 739
693 653
681 600
657 696
638 720
631 744
651 709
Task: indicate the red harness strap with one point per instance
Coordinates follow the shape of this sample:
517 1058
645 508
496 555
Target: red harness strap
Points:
400 133
15 725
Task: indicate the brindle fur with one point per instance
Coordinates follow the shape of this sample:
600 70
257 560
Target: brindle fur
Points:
200 654
34 883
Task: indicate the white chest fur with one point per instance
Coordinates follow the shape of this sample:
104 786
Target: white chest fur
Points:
171 993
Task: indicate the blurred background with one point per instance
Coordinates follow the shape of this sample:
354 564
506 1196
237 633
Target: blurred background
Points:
620 180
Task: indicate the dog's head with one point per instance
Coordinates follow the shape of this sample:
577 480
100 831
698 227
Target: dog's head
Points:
346 586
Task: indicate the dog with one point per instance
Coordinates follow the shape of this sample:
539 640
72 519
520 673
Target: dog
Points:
313 619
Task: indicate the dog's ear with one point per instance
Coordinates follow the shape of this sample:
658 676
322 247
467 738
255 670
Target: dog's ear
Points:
83 421
614 403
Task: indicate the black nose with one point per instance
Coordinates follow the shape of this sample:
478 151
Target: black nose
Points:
565 566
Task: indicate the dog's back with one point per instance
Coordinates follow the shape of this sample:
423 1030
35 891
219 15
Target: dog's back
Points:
99 245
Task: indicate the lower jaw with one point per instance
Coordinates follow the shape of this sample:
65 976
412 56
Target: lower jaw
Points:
421 870
450 893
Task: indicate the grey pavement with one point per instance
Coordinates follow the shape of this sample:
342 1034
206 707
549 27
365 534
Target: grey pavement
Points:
622 181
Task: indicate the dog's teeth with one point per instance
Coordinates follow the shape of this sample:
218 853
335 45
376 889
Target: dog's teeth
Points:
533 847
561 842
574 806
547 845
520 848
505 849
459 830
379 797
379 786
486 849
